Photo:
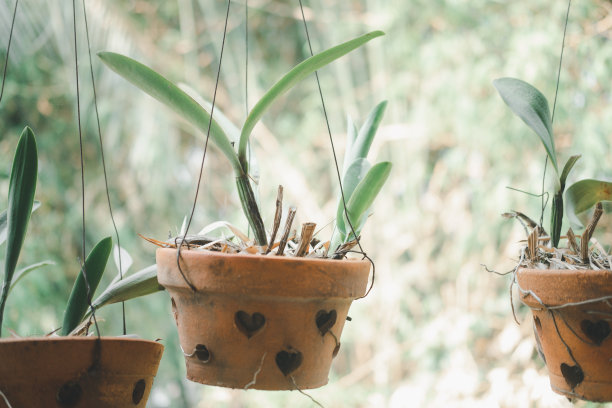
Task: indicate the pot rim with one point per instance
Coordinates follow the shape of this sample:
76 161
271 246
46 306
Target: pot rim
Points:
261 257
563 287
105 339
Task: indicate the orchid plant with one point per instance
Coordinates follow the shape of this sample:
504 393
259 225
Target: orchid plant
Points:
361 181
532 107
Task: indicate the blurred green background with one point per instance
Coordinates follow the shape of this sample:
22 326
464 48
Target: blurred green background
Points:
437 329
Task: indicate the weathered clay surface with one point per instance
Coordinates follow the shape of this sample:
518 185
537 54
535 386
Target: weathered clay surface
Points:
264 322
575 339
58 372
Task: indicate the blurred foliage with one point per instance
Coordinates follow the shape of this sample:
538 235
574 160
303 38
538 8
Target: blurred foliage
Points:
437 330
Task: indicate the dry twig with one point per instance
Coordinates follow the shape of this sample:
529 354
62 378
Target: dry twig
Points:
285 237
277 218
307 231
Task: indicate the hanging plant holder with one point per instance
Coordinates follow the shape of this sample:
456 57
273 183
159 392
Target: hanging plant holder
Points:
572 310
262 322
71 372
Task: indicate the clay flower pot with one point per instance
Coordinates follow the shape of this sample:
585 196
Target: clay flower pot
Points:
62 372
572 315
263 322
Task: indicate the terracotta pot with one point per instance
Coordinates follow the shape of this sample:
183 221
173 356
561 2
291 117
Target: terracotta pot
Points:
263 322
59 372
574 339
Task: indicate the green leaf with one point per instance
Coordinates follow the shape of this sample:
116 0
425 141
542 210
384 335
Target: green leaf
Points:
530 105
583 195
353 176
362 144
567 169
363 197
141 283
79 299
351 136
22 186
4 225
169 94
290 79
20 274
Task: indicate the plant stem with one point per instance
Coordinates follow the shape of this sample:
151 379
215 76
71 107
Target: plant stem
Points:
556 218
250 209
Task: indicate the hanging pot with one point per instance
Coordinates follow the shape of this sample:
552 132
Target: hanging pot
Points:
572 311
77 372
262 322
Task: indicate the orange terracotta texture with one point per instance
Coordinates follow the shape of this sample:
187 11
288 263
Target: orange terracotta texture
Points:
575 339
261 322
59 372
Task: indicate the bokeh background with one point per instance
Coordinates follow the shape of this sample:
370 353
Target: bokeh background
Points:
437 329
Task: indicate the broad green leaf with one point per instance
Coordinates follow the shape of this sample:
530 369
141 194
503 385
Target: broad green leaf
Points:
3 223
169 94
138 284
362 144
567 169
365 193
290 79
351 136
530 105
583 195
79 299
20 274
353 176
230 129
22 186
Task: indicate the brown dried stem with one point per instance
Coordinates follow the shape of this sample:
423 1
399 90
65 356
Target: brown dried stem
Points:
532 243
285 237
588 233
307 232
277 217
573 244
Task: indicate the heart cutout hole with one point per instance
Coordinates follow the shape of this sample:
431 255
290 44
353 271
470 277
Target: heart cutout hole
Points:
325 320
288 361
573 374
248 324
597 332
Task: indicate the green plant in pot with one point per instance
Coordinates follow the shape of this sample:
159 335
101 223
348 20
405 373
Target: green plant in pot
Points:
265 313
71 370
565 280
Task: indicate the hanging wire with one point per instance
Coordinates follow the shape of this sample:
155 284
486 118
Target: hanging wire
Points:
108 199
333 148
212 111
8 49
569 4
78 98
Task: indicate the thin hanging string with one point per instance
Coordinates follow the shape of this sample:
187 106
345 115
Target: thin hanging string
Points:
8 49
246 58
212 111
78 97
569 3
331 141
108 199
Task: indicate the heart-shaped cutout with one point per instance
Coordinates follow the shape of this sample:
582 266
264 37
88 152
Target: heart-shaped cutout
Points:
288 361
573 374
325 320
249 324
597 332
202 353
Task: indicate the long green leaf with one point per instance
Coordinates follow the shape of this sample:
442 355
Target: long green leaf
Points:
569 165
362 144
169 94
583 195
363 197
22 186
351 136
79 299
353 176
141 283
20 274
294 76
4 223
530 105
